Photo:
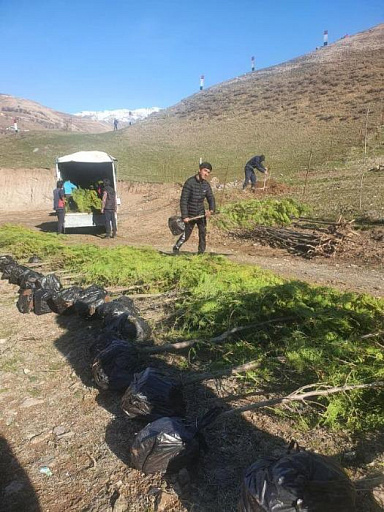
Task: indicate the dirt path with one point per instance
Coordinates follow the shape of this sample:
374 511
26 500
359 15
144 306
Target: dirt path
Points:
143 222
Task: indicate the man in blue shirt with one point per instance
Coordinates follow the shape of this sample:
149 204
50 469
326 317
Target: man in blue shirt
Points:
68 187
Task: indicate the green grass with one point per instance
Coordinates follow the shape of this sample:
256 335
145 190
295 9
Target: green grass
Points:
322 339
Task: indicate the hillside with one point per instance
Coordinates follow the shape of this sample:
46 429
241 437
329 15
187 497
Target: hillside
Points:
324 108
33 116
317 102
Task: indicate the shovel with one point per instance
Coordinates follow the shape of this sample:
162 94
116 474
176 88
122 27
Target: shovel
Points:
177 225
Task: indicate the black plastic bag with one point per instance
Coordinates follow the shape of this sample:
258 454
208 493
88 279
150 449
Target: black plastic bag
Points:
176 225
89 300
110 310
114 367
40 301
49 282
129 327
7 269
63 301
169 444
30 279
16 274
153 395
102 342
302 479
5 260
25 301
35 259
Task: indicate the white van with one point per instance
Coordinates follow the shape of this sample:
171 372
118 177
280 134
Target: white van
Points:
83 169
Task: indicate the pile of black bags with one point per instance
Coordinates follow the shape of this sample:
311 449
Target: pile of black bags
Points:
35 289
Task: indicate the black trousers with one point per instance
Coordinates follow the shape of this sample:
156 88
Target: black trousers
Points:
110 221
250 176
202 227
60 212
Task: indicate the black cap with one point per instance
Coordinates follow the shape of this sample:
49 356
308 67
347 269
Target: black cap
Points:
205 165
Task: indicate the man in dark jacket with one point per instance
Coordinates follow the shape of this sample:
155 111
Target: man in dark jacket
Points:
255 162
195 190
109 207
59 206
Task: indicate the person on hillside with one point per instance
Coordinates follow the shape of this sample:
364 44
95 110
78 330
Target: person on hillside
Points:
109 208
195 190
115 123
255 162
59 206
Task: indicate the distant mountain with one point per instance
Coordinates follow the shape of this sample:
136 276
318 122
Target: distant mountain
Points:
123 115
31 115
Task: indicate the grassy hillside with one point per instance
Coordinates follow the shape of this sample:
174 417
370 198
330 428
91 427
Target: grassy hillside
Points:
327 103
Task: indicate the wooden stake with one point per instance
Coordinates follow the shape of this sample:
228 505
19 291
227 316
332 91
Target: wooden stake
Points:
306 174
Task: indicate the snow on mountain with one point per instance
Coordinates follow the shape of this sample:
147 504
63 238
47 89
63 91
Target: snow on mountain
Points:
123 115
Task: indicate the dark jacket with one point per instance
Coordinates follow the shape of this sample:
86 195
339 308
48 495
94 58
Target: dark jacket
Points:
58 199
109 198
256 162
192 197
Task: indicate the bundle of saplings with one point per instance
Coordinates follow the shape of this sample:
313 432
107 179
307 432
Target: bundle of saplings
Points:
85 201
298 481
153 395
113 368
170 444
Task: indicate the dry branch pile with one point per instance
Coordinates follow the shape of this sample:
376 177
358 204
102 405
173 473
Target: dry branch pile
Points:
296 242
304 242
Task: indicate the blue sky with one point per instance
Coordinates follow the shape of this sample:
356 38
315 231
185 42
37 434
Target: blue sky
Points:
106 54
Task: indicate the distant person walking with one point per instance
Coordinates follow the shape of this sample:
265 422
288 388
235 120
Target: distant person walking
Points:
115 123
59 206
195 190
109 208
16 129
255 162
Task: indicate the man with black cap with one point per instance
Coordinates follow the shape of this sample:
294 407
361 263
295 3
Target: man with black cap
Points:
255 162
195 190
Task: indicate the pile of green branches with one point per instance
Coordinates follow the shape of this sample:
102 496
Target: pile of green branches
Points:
266 212
85 200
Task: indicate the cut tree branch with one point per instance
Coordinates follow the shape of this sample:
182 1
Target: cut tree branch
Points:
181 345
301 396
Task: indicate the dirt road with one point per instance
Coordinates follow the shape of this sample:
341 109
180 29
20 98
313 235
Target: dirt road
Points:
143 217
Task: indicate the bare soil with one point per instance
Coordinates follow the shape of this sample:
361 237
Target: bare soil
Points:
65 444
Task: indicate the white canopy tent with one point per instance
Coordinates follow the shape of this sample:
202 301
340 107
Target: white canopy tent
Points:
95 157
85 168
